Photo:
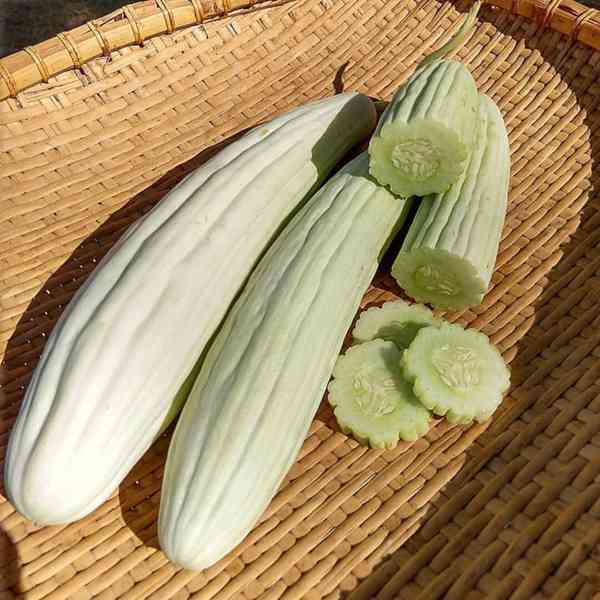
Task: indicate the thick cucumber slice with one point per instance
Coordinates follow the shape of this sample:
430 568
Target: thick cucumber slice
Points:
371 399
456 373
448 255
396 321
426 133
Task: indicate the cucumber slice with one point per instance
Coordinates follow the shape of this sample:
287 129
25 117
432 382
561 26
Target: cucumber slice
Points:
396 321
456 373
371 399
448 255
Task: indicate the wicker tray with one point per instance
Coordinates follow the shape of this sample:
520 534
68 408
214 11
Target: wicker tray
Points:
96 125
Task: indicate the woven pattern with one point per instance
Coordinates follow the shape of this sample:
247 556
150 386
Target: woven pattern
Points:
508 512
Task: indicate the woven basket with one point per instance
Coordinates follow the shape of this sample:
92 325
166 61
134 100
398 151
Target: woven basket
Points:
96 125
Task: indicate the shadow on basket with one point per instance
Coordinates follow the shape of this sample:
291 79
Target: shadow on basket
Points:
552 352
139 493
9 566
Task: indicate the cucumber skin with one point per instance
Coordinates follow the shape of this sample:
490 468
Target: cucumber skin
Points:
467 220
153 304
268 368
444 92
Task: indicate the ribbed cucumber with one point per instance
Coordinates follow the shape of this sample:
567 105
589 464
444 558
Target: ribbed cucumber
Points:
426 133
456 373
112 372
448 256
372 400
396 321
267 369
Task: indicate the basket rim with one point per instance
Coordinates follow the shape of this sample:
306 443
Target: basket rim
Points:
133 24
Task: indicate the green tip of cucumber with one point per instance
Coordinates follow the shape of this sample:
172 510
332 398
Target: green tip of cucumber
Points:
458 39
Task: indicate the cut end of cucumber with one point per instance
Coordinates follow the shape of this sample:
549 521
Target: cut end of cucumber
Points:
456 373
439 278
417 158
397 322
371 399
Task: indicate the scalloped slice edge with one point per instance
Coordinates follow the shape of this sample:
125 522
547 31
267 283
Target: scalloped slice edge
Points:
371 399
394 321
457 373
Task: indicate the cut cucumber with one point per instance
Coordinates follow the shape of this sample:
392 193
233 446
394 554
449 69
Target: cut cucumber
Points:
371 399
396 321
456 373
426 133
448 255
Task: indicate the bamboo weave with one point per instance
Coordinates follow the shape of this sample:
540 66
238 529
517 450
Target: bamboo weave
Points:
511 512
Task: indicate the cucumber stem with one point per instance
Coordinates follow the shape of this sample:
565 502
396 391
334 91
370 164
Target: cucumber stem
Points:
457 40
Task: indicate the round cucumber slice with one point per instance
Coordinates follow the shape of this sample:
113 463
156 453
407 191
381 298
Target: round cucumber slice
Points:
456 373
395 321
417 158
371 399
440 278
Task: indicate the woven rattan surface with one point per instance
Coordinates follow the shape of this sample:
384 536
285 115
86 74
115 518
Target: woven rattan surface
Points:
508 512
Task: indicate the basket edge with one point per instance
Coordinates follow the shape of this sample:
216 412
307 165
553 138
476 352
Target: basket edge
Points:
134 23
130 25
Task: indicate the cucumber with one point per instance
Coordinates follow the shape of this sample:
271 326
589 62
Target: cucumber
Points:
396 321
371 399
426 133
266 371
456 373
112 371
448 255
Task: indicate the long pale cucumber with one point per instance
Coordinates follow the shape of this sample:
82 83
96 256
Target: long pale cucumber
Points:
112 372
448 255
265 374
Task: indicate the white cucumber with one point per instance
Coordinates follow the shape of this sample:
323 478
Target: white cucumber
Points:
265 374
110 371
372 400
456 373
396 321
448 256
426 133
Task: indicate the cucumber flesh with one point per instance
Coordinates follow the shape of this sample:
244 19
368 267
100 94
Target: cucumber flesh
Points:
440 278
417 158
371 399
397 322
456 373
